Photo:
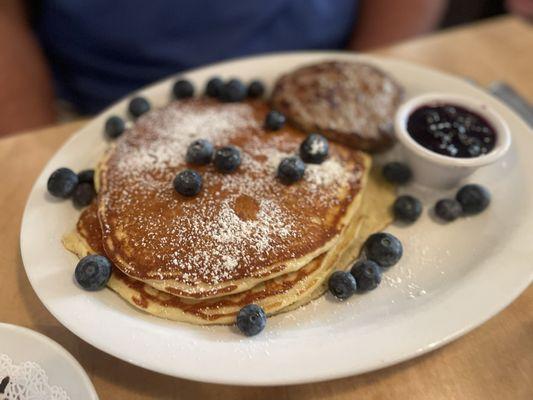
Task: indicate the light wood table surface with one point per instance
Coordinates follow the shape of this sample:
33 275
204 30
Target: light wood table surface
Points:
495 361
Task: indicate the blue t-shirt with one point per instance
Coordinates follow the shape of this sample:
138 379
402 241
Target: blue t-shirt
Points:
100 50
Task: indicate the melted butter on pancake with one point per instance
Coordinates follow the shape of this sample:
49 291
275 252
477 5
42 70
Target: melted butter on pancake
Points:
246 207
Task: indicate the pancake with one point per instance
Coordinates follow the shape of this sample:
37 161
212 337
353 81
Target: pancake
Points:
242 228
373 216
352 103
277 295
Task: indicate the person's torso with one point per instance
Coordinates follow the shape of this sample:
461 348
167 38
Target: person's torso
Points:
101 50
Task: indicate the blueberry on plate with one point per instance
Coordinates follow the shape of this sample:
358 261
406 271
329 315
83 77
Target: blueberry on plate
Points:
83 194
407 208
233 91
367 274
114 127
214 87
62 183
227 159
256 89
274 120
342 285
138 106
251 319
93 272
314 149
384 249
448 209
183 89
86 176
199 152
291 169
473 198
397 172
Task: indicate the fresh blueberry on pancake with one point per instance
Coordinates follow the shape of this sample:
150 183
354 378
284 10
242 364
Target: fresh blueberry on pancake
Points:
274 120
383 248
86 176
314 149
138 106
233 91
367 274
256 89
342 285
448 209
396 172
407 208
93 272
114 127
227 159
188 183
199 152
62 183
183 89
251 319
473 198
291 169
83 194
214 87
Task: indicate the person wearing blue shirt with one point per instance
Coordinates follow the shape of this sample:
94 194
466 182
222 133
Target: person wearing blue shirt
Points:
92 52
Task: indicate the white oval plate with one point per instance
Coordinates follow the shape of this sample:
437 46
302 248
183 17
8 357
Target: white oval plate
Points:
451 279
22 344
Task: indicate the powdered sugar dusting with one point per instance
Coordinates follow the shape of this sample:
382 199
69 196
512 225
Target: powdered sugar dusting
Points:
320 176
175 128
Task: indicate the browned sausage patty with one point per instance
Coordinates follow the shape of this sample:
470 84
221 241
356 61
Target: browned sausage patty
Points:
352 103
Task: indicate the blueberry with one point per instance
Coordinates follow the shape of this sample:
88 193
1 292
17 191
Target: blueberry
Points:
291 169
407 208
188 182
342 285
183 89
214 87
234 90
62 183
384 249
314 149
199 152
93 272
256 89
274 120
474 149
138 106
448 209
83 194
367 274
251 319
473 198
396 172
114 127
86 176
227 159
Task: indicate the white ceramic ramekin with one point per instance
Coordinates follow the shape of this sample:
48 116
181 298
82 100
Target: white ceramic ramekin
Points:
437 170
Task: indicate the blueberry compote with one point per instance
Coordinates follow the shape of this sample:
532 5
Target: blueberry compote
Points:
451 130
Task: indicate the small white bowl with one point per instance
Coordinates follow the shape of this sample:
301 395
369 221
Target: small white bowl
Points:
437 170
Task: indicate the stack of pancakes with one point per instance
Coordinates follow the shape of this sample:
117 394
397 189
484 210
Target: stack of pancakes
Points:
246 237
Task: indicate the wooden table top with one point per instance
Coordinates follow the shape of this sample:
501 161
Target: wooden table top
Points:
495 361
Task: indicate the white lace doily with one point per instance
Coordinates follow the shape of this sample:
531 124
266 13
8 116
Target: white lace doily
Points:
27 381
